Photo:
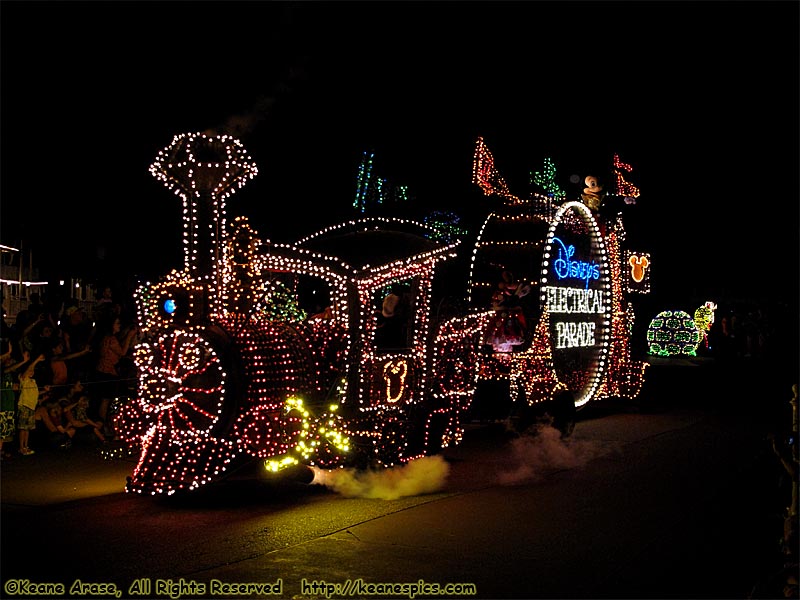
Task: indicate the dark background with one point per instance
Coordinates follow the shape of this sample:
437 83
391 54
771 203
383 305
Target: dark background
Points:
701 98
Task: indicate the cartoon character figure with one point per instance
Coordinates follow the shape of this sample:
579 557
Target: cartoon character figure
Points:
508 326
704 319
592 194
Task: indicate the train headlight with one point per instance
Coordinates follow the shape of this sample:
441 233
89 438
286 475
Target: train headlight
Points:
169 306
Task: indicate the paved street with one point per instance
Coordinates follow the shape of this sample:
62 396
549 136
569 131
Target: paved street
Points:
674 496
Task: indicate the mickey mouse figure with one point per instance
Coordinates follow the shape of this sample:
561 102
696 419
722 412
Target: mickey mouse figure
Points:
592 194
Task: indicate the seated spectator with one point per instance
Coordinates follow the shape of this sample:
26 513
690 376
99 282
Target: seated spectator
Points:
52 428
77 416
70 396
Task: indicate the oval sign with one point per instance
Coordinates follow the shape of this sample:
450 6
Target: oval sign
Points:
576 294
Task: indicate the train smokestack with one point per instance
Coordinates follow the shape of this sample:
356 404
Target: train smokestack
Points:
204 170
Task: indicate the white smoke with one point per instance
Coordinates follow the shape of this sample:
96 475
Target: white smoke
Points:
243 124
526 459
544 450
421 476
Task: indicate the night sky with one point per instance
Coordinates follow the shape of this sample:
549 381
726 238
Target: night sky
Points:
701 98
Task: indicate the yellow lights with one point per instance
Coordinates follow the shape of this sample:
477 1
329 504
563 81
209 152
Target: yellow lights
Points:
296 403
319 438
336 438
394 374
278 464
638 265
704 316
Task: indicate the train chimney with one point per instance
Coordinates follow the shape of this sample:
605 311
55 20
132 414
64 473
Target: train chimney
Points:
204 170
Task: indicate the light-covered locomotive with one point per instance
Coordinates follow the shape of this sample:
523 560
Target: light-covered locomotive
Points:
279 353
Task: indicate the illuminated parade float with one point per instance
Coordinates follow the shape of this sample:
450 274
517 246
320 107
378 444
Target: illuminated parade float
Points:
280 354
676 333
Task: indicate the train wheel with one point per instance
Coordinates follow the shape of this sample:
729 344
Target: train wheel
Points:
184 381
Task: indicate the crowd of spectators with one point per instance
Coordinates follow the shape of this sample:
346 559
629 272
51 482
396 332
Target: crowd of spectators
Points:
64 372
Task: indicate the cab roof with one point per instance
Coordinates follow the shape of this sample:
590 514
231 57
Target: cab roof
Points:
374 242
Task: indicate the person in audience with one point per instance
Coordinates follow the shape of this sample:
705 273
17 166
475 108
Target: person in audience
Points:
27 404
8 398
106 308
70 396
107 384
18 328
6 332
28 334
57 362
106 297
77 415
78 333
35 306
38 340
53 430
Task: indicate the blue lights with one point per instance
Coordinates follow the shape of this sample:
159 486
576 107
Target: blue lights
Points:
565 267
169 306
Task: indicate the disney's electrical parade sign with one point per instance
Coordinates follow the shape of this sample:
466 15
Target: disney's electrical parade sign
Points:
572 300
576 293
